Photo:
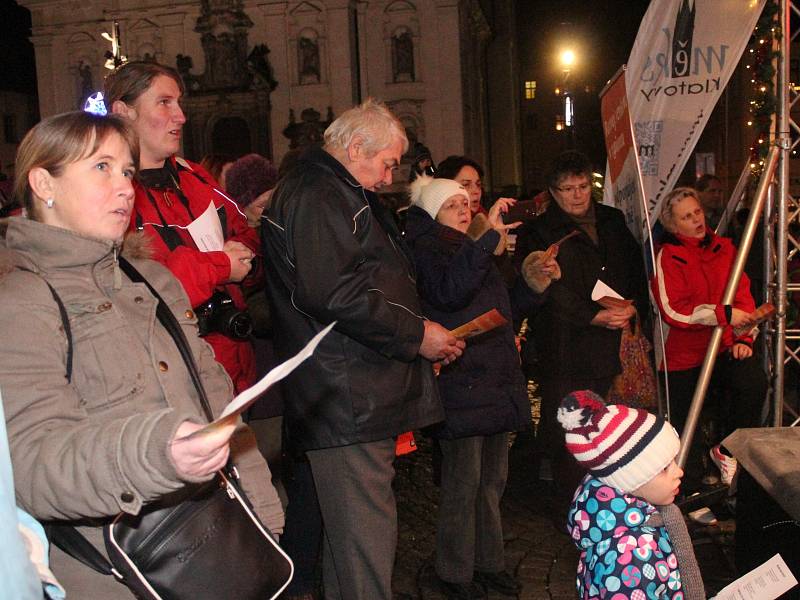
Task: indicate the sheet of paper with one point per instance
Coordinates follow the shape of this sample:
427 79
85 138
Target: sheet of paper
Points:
552 249
601 290
243 401
766 582
480 324
206 230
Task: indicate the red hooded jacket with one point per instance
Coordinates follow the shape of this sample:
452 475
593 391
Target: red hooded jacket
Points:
690 279
164 215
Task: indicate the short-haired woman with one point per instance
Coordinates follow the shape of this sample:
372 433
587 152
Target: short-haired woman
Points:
692 269
99 443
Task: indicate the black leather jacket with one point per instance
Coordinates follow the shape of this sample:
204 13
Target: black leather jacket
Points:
333 253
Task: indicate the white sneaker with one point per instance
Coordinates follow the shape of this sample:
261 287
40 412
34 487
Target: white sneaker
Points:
703 516
727 465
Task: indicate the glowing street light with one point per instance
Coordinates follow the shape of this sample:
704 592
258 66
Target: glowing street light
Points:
567 59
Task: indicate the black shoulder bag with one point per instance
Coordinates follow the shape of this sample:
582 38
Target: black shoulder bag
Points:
203 542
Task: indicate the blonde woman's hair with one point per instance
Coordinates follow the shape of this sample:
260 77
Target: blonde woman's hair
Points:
666 217
61 140
373 122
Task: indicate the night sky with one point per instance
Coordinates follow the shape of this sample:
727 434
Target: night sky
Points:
601 31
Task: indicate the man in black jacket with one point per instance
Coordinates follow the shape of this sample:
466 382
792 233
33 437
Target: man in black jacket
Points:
334 254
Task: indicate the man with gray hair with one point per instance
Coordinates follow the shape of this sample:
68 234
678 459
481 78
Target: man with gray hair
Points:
333 253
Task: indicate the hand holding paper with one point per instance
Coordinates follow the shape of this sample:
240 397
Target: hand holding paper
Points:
606 297
480 324
243 401
763 313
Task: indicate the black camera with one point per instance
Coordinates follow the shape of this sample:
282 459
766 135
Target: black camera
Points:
219 314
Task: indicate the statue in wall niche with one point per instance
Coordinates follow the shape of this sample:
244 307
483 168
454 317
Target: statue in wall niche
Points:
86 83
308 50
258 64
184 64
223 26
403 57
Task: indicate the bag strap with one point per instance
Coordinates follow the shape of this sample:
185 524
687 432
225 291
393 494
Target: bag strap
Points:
64 322
62 534
175 331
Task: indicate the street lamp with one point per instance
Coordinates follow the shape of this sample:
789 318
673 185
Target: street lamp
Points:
568 59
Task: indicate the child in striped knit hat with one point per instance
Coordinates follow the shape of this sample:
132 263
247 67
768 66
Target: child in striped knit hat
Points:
633 539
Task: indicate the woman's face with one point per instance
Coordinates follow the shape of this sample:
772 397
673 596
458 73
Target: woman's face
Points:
94 196
468 177
254 210
455 213
573 194
689 218
158 119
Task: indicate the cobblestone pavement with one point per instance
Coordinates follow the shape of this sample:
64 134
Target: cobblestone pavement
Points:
537 552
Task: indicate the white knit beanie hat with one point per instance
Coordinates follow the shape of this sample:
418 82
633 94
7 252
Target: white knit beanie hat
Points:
429 193
622 446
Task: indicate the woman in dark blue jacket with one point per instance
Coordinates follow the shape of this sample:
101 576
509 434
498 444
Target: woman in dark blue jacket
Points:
483 393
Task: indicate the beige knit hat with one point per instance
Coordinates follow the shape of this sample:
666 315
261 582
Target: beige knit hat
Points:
429 193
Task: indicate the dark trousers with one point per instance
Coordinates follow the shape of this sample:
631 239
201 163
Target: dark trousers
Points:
469 535
302 534
359 516
739 388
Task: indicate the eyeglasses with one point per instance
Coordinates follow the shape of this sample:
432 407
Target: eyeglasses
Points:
570 189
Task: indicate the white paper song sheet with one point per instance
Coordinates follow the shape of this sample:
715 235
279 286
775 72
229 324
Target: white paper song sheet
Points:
765 582
206 230
601 290
241 402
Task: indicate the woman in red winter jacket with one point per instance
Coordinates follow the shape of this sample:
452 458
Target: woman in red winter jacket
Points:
692 270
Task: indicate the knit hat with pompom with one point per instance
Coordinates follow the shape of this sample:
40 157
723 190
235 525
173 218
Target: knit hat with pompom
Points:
622 446
429 193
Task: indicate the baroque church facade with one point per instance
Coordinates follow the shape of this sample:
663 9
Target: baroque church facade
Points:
267 76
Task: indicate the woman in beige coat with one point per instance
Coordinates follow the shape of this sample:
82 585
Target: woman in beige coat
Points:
103 443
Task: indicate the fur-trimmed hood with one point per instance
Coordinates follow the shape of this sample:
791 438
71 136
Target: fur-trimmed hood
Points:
22 241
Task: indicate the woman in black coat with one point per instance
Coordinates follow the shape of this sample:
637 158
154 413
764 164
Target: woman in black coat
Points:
577 339
483 392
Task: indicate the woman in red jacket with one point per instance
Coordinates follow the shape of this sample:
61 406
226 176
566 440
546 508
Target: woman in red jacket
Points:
692 270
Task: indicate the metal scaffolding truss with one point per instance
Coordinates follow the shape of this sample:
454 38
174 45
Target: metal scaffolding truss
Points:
782 229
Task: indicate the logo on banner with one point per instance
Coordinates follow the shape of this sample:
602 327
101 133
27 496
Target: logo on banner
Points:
697 65
682 41
648 138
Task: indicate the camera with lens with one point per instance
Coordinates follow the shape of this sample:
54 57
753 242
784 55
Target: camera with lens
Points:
219 314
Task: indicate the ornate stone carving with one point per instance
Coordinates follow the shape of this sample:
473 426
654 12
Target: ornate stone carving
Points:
310 130
223 26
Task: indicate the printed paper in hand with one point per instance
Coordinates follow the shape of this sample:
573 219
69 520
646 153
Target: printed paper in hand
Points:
552 249
480 324
206 230
243 401
765 582
607 297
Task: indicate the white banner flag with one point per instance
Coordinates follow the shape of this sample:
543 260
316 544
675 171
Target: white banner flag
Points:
682 59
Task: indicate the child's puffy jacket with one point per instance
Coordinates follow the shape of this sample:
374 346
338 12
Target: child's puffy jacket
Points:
621 556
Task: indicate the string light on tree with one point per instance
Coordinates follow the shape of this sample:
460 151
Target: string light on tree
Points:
762 54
